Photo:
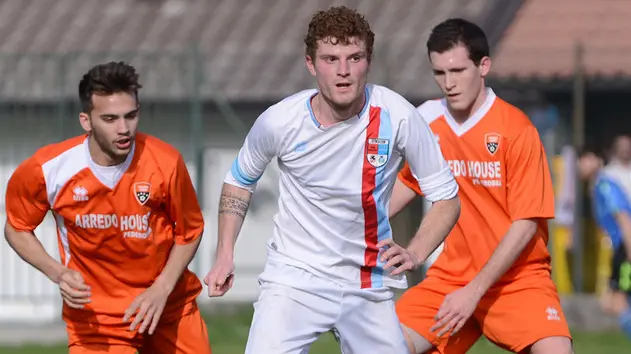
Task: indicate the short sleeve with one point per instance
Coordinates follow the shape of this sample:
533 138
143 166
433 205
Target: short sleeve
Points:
529 186
407 178
611 199
26 200
256 153
183 206
425 159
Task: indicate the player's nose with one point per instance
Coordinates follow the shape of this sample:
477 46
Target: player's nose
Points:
343 69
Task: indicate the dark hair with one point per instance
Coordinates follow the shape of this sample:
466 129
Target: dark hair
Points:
107 79
341 24
455 31
591 148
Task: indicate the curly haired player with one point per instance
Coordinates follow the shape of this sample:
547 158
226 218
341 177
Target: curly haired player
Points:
339 148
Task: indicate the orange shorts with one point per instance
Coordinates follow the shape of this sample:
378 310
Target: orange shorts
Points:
513 319
186 335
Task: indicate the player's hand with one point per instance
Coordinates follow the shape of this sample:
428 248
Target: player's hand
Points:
74 291
220 278
455 310
147 308
397 257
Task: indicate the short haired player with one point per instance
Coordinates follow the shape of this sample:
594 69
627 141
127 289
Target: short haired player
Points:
493 276
339 148
128 225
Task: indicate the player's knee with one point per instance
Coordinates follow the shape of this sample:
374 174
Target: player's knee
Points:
417 344
557 344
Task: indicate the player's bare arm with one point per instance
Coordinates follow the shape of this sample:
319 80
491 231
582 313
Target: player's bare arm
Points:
233 206
436 225
402 195
148 306
512 245
73 289
459 305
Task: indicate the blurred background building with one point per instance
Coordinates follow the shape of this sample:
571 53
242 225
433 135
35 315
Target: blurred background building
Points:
210 67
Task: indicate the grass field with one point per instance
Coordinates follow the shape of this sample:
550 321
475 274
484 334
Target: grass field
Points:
228 334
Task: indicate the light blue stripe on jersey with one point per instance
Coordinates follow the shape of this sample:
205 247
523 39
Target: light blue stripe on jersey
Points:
383 223
240 176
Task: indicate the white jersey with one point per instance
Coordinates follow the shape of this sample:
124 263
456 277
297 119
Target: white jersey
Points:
336 181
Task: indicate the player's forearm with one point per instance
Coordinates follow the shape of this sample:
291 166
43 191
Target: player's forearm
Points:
233 206
402 195
28 247
435 227
180 257
510 247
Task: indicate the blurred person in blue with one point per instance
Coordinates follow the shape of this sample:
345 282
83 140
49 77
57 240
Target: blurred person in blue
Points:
619 166
612 211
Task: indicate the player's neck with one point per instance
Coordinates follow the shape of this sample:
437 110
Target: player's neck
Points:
326 114
461 116
99 157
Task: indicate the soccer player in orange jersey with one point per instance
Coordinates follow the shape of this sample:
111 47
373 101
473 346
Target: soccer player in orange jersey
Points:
493 276
128 225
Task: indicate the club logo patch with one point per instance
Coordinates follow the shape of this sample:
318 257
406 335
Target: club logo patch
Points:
492 142
377 151
142 192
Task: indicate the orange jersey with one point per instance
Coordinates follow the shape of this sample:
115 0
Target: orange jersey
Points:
116 225
499 162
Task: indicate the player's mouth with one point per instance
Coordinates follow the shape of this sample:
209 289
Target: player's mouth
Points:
453 96
123 144
343 86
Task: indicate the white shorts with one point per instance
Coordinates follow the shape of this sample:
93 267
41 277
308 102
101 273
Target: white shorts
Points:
294 309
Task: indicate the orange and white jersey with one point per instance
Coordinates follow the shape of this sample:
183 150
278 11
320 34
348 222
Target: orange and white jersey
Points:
499 162
116 224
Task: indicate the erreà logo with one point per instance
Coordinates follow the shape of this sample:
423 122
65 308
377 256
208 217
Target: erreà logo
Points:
142 191
492 142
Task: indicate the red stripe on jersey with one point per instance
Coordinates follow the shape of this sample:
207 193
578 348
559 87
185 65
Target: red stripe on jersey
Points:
368 202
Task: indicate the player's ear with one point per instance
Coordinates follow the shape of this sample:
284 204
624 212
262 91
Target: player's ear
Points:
86 123
310 65
485 66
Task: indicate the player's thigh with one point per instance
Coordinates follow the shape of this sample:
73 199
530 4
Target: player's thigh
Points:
91 337
187 335
288 320
368 326
416 310
519 319
101 349
558 344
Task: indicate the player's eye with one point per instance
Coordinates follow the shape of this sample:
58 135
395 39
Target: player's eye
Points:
439 73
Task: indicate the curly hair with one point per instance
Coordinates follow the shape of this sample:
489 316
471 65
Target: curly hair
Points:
106 79
340 25
455 31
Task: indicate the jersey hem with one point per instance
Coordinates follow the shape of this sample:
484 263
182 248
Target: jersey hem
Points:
387 281
532 216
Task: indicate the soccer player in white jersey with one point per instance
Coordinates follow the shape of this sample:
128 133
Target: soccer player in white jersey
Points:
339 148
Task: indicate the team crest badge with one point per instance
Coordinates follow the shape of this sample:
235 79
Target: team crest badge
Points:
377 151
142 191
492 142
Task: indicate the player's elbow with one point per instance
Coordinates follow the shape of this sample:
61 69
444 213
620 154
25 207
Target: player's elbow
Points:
9 232
13 236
